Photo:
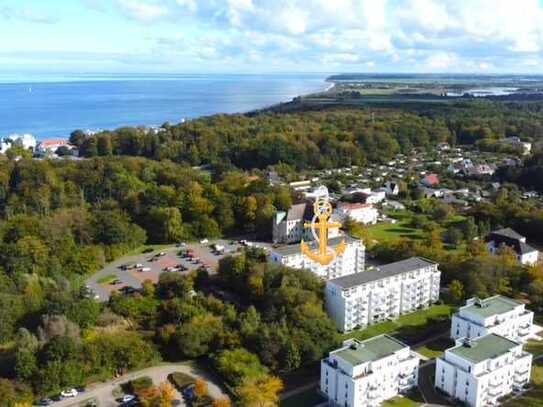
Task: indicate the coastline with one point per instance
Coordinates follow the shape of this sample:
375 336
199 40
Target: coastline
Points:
58 108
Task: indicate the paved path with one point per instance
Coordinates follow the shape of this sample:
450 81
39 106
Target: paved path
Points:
102 392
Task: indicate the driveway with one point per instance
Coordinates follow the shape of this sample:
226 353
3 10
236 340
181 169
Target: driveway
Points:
103 392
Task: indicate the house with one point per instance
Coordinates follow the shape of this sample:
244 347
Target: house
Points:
478 372
526 254
499 315
288 226
359 212
430 180
391 188
362 299
516 142
366 373
50 146
371 197
300 185
350 262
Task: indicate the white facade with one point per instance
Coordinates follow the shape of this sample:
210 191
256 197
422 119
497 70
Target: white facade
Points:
366 373
352 260
27 141
366 298
500 315
363 213
478 372
526 254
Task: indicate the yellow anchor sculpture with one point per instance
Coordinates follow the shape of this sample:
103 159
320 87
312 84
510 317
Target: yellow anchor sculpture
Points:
325 255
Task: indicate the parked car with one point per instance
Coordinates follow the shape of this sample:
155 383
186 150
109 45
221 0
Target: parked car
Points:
138 265
181 244
161 254
69 393
127 397
204 241
146 269
44 402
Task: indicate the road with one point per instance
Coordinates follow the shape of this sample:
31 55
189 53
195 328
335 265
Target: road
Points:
103 392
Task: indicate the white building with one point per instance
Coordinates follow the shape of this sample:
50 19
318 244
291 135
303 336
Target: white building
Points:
359 212
366 373
288 227
398 288
499 315
50 146
526 254
27 141
352 260
392 188
480 371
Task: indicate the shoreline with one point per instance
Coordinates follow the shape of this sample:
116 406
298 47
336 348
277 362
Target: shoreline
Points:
245 97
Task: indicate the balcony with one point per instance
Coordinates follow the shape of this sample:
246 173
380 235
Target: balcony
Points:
494 392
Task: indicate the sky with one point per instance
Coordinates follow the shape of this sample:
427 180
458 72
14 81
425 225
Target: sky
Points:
260 36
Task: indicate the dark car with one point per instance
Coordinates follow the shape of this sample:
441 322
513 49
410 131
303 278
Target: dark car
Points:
44 402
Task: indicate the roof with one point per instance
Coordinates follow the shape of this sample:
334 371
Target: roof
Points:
507 232
486 347
353 206
431 179
288 250
491 306
296 212
53 142
388 270
369 350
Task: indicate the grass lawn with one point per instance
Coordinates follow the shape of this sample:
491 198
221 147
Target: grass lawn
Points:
106 279
534 347
435 348
388 232
148 248
412 399
410 327
306 398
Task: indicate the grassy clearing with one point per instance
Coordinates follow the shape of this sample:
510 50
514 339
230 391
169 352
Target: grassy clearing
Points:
106 279
388 232
412 399
306 398
410 327
435 348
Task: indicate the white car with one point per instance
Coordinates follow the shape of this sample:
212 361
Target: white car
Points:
138 265
145 269
128 397
204 241
69 393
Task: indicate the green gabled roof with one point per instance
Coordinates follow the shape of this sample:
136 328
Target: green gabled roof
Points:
369 350
492 306
486 347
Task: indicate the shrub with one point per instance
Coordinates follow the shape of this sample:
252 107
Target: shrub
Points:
181 380
137 385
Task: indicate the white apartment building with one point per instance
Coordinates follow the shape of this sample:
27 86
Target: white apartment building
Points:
362 299
365 373
499 315
359 212
480 371
352 260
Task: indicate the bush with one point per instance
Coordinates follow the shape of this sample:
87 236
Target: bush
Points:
181 380
137 385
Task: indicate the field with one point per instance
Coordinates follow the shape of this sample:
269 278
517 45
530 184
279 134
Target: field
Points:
411 327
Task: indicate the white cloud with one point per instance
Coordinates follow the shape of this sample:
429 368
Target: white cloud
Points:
143 11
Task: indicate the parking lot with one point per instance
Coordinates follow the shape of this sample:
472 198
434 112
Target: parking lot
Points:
130 272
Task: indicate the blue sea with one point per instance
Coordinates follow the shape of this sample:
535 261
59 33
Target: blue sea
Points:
54 106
